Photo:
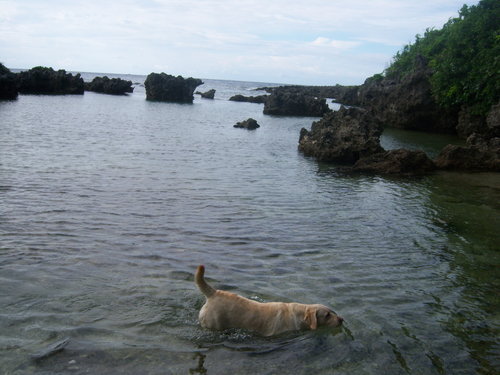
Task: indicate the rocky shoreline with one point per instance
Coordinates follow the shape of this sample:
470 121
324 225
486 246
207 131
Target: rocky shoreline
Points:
405 103
349 136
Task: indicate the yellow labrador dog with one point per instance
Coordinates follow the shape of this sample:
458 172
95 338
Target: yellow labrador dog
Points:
224 310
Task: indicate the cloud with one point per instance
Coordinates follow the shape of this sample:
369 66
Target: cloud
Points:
336 44
260 40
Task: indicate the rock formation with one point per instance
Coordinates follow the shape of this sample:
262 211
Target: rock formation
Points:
289 103
249 124
479 154
210 94
113 86
42 80
167 88
343 136
249 99
8 84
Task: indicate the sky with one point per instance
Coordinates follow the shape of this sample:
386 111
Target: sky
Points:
316 42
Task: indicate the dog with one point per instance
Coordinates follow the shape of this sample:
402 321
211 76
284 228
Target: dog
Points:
223 310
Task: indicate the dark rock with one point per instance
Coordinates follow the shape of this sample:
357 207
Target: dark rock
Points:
407 103
8 84
249 124
42 80
343 136
294 104
480 154
493 122
167 88
469 123
250 99
113 86
400 162
210 94
342 94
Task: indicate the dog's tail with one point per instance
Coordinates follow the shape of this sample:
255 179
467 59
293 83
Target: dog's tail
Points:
206 289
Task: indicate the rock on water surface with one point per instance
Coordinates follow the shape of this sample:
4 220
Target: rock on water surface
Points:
8 84
249 99
287 103
479 154
249 124
113 86
42 80
210 94
167 88
343 136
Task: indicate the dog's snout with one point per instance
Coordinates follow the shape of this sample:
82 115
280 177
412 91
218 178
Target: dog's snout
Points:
340 319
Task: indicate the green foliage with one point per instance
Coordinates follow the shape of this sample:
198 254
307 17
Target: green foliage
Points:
464 56
4 69
374 78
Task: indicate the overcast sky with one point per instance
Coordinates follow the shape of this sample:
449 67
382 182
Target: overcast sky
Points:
284 41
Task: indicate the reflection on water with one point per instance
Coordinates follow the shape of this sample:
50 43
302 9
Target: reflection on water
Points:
107 205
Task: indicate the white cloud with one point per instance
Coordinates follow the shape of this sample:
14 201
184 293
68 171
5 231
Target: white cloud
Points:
291 40
336 44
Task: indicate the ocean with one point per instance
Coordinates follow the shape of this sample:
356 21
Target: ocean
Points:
108 204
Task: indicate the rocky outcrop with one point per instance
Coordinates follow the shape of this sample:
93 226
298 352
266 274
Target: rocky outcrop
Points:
493 122
210 94
343 136
113 86
352 136
167 88
396 162
479 154
249 124
294 104
407 103
482 149
341 94
42 80
249 99
8 84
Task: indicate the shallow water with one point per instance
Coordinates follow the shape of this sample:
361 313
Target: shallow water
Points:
108 203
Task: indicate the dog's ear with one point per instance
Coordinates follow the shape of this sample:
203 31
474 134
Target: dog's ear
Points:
311 319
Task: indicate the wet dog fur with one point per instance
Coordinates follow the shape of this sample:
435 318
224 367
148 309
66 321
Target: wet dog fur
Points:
223 310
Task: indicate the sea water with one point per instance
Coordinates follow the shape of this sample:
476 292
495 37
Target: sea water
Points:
108 204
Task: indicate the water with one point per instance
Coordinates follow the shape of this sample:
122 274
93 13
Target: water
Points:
108 203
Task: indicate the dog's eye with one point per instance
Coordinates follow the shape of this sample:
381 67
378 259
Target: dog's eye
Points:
327 315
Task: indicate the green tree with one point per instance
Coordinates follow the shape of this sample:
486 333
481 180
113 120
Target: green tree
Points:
464 56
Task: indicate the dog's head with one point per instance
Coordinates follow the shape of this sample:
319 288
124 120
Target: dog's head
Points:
321 316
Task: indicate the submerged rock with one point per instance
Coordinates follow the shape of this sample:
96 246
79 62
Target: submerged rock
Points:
249 99
50 350
167 88
289 103
249 124
343 136
210 94
42 80
113 86
8 84
400 162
